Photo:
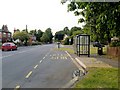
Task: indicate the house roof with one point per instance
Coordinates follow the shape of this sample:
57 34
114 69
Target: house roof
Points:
4 31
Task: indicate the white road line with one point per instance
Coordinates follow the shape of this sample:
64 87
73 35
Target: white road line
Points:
78 66
35 66
28 75
40 61
81 63
17 87
65 57
43 57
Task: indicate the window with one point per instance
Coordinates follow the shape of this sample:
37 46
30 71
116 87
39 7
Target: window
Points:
9 34
4 34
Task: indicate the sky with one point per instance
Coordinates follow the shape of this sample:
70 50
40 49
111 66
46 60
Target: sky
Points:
37 14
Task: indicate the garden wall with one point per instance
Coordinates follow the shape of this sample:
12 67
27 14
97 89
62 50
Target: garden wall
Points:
113 51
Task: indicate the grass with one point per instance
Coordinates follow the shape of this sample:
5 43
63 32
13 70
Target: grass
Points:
66 49
93 50
100 78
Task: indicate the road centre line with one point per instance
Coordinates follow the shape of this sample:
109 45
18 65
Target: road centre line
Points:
35 66
43 57
28 75
40 61
17 87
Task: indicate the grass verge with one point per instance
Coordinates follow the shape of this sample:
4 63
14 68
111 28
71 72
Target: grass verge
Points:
93 50
65 49
100 78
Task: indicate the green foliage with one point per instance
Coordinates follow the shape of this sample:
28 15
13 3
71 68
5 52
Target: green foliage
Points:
101 18
115 44
47 36
66 41
37 34
59 35
72 32
74 29
100 78
21 35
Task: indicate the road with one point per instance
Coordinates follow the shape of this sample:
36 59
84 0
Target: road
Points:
36 67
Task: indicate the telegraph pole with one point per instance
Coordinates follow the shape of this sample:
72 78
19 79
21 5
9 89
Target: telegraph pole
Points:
26 29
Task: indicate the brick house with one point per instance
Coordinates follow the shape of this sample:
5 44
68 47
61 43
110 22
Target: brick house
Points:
5 35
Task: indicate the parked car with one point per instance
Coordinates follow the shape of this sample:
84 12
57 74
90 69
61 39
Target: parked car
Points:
9 46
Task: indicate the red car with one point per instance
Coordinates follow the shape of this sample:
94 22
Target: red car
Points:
9 46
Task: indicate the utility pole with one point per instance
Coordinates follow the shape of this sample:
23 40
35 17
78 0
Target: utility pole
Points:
26 29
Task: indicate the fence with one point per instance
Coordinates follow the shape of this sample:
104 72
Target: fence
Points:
113 51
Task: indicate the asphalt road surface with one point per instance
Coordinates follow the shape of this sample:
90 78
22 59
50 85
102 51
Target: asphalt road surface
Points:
36 67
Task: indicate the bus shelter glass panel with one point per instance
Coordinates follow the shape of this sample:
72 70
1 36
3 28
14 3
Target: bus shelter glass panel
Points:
82 44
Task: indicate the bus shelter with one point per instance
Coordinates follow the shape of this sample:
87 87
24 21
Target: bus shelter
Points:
82 44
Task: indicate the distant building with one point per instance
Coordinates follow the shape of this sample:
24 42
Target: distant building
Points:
16 30
65 36
5 35
32 39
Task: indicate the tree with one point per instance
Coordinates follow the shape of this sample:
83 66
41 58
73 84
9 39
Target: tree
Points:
36 33
74 29
23 36
47 36
101 18
66 30
59 35
39 35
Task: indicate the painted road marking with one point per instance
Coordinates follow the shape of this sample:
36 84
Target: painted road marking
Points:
17 87
78 66
65 57
28 75
81 63
40 61
43 57
35 66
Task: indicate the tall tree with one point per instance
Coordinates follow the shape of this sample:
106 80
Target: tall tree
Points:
66 30
101 18
39 35
47 36
23 36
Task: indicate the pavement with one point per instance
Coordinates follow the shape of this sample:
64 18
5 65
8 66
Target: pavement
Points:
94 60
36 67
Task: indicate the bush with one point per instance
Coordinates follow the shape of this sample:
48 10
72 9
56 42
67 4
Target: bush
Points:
66 41
115 44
